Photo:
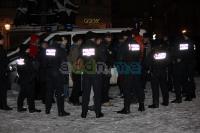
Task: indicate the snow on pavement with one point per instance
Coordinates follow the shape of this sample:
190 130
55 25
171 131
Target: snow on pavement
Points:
176 118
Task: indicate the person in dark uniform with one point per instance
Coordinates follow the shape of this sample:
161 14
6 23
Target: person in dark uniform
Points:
66 47
183 69
91 79
42 71
170 66
106 53
158 62
3 71
131 69
27 75
122 40
55 56
147 50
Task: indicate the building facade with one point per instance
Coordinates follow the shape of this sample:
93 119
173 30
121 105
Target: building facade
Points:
7 12
91 13
94 13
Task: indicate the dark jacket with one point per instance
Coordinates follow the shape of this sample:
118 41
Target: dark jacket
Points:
186 56
109 54
3 61
90 62
158 59
27 72
131 56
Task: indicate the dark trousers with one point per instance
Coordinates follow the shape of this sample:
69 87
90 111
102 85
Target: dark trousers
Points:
159 81
43 90
191 87
77 86
119 83
55 86
170 80
131 82
105 88
94 81
180 79
42 84
144 77
3 92
27 91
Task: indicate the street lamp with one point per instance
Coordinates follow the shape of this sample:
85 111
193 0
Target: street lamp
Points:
7 29
184 31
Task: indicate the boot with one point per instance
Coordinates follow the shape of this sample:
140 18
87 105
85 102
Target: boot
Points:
34 110
7 108
124 111
21 109
165 104
99 115
60 106
153 106
188 98
141 107
177 100
83 115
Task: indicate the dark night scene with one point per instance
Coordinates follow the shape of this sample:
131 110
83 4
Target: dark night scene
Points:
99 66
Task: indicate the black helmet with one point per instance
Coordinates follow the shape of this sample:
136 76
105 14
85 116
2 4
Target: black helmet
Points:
90 35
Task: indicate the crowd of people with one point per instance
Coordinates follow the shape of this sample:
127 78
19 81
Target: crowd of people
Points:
168 65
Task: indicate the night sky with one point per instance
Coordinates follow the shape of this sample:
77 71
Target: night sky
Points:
171 15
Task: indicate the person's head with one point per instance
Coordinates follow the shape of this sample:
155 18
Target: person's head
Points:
125 35
34 39
91 36
165 38
45 45
64 41
77 40
57 41
98 40
185 37
120 38
108 37
135 33
146 38
1 40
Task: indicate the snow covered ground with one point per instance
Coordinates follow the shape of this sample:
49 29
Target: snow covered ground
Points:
177 118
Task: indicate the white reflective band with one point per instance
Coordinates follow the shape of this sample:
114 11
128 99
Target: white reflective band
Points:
194 47
88 52
183 47
154 36
160 56
20 62
10 68
51 52
134 47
